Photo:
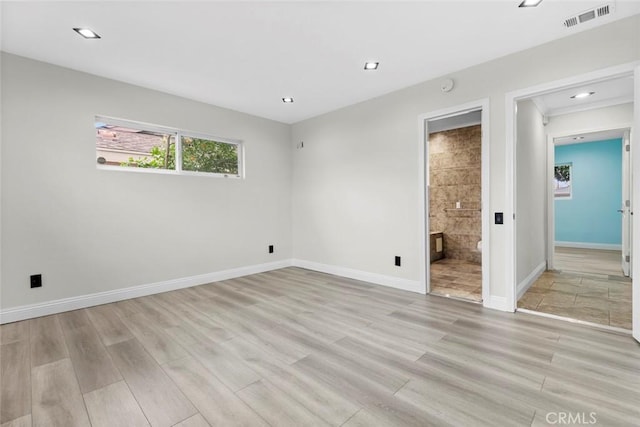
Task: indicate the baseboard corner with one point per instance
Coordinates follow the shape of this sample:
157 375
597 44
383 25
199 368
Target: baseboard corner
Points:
496 303
14 314
365 276
526 283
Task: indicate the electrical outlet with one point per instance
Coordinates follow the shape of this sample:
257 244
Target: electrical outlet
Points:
270 249
398 261
36 280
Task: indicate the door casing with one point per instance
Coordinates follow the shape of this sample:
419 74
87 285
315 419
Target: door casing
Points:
550 199
423 172
511 99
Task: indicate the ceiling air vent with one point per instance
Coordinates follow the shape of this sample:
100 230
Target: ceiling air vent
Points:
588 15
603 10
571 22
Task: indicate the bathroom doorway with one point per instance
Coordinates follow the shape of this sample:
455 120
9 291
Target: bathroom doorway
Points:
456 199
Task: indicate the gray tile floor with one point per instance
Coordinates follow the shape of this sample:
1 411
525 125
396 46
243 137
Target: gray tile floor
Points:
581 297
588 286
457 279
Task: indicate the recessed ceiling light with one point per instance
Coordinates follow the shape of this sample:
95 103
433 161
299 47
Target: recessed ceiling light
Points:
371 65
582 95
86 33
287 100
530 3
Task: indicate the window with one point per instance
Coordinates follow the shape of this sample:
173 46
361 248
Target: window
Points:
562 180
137 146
206 155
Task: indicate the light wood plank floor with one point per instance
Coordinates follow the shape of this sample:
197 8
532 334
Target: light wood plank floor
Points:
587 285
294 347
595 261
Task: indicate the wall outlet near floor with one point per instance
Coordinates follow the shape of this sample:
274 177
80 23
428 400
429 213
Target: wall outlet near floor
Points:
270 249
398 261
36 280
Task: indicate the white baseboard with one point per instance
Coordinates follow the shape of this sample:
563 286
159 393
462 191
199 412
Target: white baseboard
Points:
30 311
365 276
530 279
496 303
74 303
581 245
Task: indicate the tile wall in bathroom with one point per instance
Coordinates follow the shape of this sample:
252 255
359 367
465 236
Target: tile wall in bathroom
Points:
454 175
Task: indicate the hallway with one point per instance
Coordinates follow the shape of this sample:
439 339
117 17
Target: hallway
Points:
587 285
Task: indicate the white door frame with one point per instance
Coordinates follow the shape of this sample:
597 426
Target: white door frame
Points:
423 176
628 195
551 217
635 191
511 99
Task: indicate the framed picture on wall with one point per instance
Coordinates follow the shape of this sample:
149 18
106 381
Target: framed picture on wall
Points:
562 178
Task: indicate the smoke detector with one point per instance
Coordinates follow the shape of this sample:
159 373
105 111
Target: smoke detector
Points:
446 85
589 15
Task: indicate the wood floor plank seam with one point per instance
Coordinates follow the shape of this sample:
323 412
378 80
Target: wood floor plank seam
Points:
182 421
50 344
56 395
295 347
75 374
101 415
138 403
100 373
348 419
201 366
439 377
165 397
15 380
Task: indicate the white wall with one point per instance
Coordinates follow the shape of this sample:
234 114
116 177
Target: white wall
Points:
356 181
606 118
614 117
1 161
531 192
89 230
355 192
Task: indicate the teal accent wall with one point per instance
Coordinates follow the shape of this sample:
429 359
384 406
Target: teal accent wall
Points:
591 216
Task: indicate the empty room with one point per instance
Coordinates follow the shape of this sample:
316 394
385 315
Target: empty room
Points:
341 213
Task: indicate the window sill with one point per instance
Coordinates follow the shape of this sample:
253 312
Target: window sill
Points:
166 172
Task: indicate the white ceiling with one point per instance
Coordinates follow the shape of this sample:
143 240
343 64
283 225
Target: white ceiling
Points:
248 55
590 137
607 93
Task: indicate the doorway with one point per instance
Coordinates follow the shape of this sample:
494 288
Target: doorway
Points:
454 145
592 231
588 268
582 278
